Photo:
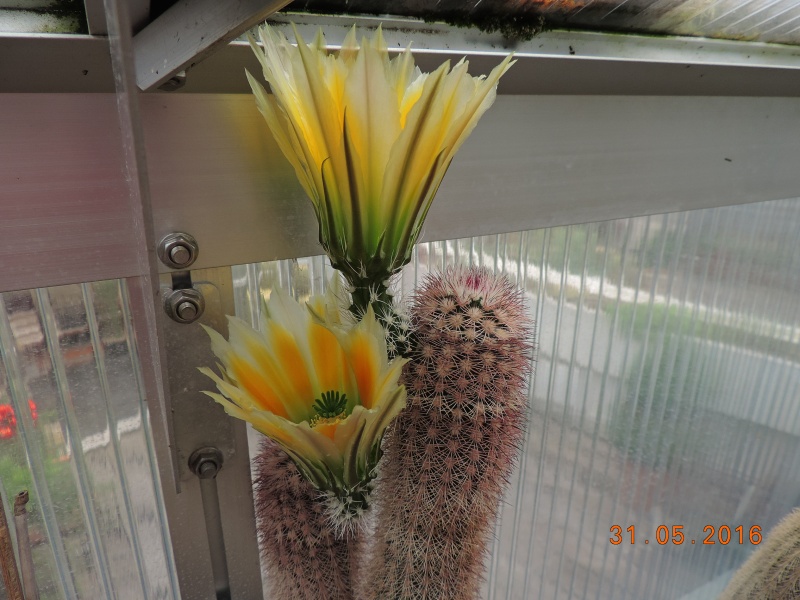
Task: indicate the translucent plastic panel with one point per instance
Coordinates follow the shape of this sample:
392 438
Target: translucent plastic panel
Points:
42 16
757 20
667 392
76 435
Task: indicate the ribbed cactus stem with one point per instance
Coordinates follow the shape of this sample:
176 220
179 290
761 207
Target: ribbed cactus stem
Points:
389 314
304 555
366 293
450 453
773 571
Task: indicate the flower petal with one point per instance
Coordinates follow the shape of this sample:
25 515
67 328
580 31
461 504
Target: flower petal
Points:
272 379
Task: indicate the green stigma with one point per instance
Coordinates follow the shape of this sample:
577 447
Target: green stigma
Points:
330 404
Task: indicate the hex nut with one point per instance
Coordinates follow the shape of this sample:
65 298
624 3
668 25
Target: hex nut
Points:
206 462
178 250
184 306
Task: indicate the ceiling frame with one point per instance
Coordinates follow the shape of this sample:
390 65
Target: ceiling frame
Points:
554 62
190 30
215 172
138 11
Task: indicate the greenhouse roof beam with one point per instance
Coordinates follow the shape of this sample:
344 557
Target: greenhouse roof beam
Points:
190 30
138 12
214 171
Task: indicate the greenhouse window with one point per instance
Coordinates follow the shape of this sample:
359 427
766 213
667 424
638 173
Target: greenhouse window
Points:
635 179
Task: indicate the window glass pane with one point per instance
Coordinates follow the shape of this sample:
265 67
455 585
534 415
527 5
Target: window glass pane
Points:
75 433
666 393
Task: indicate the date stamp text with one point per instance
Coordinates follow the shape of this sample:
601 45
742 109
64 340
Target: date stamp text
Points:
675 535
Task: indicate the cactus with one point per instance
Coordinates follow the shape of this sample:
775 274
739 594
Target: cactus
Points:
773 571
303 555
391 315
450 452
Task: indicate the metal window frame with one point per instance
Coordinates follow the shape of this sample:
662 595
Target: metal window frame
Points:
190 30
554 62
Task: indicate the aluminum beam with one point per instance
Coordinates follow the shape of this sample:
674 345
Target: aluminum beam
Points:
201 422
532 162
444 39
54 63
215 172
190 30
601 63
182 421
139 11
554 71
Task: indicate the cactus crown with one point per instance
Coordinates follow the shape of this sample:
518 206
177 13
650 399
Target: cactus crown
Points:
473 340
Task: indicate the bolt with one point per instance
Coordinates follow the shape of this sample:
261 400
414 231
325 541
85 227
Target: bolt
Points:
180 254
206 462
187 310
183 305
178 250
207 469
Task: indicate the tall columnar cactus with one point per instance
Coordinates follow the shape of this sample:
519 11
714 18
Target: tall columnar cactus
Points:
305 556
773 571
450 453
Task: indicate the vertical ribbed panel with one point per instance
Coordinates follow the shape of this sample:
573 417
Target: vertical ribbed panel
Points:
76 435
667 392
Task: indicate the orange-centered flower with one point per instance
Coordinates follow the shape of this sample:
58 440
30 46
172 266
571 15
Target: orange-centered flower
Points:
370 139
323 389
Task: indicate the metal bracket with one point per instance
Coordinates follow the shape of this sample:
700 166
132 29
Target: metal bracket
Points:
205 439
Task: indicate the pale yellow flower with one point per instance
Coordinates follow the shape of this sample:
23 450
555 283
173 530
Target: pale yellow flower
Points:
321 388
370 139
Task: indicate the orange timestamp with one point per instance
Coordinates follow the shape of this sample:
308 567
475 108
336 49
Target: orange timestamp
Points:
723 535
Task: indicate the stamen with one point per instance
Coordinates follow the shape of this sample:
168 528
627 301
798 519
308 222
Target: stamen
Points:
330 405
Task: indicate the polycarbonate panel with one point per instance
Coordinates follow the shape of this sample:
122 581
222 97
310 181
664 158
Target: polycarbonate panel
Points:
42 16
757 20
666 393
75 433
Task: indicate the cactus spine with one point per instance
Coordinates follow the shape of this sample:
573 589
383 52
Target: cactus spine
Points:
450 452
773 571
305 556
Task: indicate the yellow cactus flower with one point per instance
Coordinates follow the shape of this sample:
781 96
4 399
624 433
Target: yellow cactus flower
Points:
370 138
322 389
